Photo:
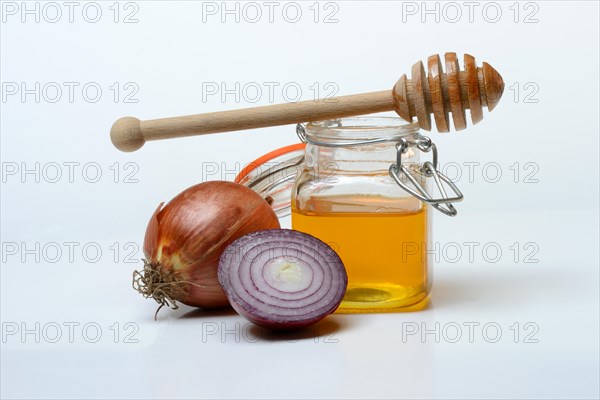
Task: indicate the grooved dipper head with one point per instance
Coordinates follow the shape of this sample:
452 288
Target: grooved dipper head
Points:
443 92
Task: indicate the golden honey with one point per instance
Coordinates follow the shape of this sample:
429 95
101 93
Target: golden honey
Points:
382 243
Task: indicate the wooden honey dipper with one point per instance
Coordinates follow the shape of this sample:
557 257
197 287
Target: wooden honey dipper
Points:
438 93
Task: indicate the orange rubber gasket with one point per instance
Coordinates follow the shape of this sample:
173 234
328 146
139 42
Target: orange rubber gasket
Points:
267 157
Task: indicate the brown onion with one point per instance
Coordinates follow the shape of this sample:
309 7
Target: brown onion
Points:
185 239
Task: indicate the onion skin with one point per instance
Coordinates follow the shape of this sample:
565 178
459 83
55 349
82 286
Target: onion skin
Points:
185 239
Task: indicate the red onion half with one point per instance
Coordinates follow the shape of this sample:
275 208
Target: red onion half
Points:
185 239
282 279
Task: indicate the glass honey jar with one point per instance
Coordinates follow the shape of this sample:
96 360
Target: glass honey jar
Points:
358 184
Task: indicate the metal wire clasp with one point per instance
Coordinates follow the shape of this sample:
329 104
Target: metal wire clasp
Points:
428 169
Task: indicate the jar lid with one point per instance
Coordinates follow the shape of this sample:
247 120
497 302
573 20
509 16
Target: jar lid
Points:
273 174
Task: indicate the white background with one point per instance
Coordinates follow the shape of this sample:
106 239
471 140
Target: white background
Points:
542 292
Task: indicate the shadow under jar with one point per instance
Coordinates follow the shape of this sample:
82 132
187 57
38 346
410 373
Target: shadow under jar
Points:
345 196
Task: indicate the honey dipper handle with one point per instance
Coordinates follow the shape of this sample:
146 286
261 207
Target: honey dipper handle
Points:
129 133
